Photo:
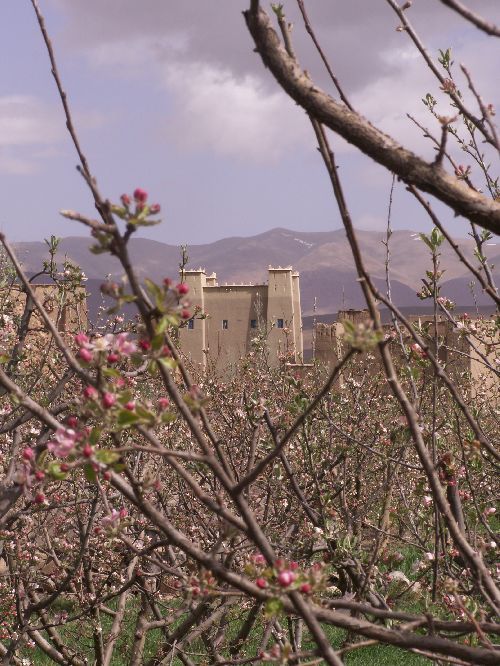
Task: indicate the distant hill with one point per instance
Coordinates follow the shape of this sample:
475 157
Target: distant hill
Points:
328 279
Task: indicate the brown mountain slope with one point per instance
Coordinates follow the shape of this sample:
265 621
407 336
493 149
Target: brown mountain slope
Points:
323 259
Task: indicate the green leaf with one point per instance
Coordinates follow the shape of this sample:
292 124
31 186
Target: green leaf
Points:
158 341
162 325
147 223
95 433
169 363
127 418
107 456
124 397
89 472
426 240
110 372
54 470
144 414
273 607
153 288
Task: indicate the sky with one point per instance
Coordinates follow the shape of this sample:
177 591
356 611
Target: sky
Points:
171 97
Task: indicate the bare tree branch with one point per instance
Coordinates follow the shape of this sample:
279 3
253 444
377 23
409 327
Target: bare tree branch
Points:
355 129
478 21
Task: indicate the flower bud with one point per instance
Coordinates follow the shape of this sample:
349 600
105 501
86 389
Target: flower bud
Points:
108 400
85 355
90 393
126 200
39 498
140 195
182 288
87 451
81 339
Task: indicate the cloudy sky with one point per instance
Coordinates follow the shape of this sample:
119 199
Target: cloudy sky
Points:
170 96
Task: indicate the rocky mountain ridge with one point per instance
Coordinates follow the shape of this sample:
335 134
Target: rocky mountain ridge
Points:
328 278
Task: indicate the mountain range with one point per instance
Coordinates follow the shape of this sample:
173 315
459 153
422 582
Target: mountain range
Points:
327 275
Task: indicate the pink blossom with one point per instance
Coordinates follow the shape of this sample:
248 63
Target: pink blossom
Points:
101 343
155 209
63 443
125 199
163 403
182 288
130 405
417 349
261 582
305 588
28 454
489 511
111 519
124 346
285 578
427 501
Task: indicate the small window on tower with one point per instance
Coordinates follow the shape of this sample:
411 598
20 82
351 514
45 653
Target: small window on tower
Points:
191 324
225 324
253 323
280 323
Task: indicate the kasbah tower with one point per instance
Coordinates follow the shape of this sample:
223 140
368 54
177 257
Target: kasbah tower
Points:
238 313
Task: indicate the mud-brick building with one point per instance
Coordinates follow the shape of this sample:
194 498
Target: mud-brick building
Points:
238 313
462 356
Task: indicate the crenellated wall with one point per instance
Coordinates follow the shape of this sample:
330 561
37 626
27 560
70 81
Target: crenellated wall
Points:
236 314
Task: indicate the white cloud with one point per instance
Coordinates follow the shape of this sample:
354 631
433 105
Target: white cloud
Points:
28 131
14 165
139 55
231 115
25 120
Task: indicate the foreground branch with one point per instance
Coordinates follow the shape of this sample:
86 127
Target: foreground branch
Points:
355 129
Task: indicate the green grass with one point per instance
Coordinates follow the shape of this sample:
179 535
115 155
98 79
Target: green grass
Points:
79 636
